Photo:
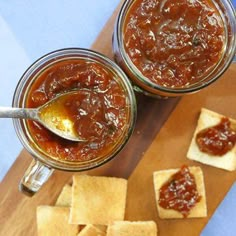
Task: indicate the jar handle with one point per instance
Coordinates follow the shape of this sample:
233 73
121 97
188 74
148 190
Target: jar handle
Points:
35 176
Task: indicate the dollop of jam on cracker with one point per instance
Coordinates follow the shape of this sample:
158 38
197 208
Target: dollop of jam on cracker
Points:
180 192
217 140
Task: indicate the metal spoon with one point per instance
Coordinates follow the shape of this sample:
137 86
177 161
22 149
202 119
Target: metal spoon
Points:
51 115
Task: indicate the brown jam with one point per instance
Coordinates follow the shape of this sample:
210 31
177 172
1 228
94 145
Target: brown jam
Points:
179 192
217 140
174 43
100 112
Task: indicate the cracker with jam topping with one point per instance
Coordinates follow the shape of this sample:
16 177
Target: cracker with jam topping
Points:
180 193
214 139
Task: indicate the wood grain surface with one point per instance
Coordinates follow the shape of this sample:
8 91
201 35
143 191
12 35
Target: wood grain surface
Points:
168 149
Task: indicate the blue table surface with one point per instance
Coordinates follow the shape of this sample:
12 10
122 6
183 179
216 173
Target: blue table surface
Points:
30 29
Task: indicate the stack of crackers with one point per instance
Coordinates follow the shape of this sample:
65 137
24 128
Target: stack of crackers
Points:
93 205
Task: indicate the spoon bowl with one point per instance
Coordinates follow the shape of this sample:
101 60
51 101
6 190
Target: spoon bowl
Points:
53 115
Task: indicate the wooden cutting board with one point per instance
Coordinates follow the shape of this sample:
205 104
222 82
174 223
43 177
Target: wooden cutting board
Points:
168 150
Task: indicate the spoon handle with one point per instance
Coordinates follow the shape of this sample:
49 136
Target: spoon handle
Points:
22 113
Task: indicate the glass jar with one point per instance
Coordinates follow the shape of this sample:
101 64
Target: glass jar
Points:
148 87
43 163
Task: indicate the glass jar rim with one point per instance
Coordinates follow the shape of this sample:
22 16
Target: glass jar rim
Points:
40 65
228 6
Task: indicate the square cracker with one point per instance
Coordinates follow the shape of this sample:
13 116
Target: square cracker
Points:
134 228
54 221
207 119
199 210
93 230
97 200
64 199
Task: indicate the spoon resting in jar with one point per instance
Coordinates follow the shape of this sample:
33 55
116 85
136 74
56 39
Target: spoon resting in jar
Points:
53 115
